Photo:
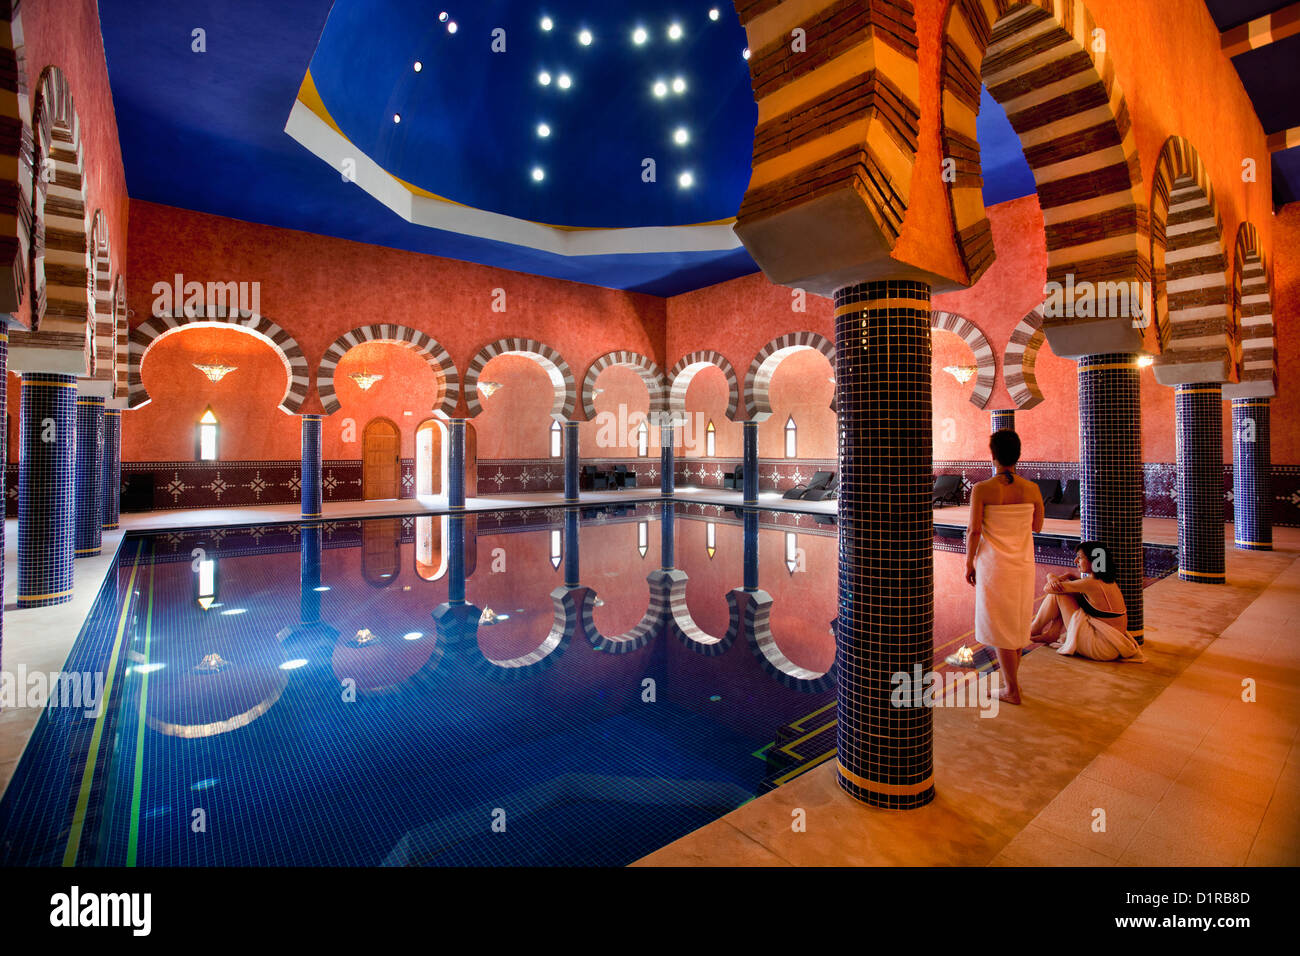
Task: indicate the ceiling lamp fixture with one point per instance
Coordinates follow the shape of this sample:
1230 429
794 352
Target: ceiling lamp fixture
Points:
585 38
418 66
660 89
538 174
364 637
451 27
714 14
681 137
215 372
962 373
547 23
544 78
679 85
543 130
397 117
488 389
1146 361
686 180
675 31
211 664
745 53
365 379
639 36
442 17
564 81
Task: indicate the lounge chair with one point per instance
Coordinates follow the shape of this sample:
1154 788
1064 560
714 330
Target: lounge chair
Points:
1068 506
735 480
816 483
1050 488
591 478
946 490
829 493
622 477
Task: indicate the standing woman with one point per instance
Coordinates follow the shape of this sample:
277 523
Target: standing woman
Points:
1005 511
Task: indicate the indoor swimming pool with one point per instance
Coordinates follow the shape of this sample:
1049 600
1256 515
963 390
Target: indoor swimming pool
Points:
529 687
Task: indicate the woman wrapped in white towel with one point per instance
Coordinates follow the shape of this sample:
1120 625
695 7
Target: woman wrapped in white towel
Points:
1083 611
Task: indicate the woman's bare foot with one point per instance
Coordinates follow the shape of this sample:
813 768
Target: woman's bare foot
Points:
1007 696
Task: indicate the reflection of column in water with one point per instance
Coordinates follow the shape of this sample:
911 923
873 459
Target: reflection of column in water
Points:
666 459
750 481
751 547
666 546
309 564
571 567
456 559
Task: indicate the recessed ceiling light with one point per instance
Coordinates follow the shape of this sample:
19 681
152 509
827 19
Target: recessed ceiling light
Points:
544 78
746 53
543 130
397 117
418 66
680 136
538 174
660 88
442 17
679 85
547 23
675 31
686 180
294 664
564 81
451 27
639 36
585 38
714 14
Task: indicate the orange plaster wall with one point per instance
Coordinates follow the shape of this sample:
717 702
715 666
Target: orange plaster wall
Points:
801 389
516 420
406 395
706 401
318 287
1285 416
620 407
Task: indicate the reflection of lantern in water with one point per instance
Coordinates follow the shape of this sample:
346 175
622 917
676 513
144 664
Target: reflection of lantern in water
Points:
364 637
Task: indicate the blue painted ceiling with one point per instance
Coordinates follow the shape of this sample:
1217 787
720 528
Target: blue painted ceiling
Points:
205 130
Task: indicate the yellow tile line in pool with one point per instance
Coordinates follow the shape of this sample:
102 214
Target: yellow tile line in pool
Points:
786 778
810 734
133 841
92 755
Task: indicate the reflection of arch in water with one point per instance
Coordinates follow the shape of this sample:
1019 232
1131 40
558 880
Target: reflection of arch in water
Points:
757 610
431 547
567 603
656 614
683 626
386 665
381 551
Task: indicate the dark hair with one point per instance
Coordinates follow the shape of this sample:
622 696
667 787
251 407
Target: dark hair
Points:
1005 445
1103 568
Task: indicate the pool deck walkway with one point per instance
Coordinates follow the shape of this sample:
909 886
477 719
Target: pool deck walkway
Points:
1186 771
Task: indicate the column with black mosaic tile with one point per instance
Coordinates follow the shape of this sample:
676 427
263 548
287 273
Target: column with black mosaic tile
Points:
89 494
1002 419
111 484
570 461
1110 468
456 464
311 479
666 463
1198 420
1252 463
46 488
749 482
886 559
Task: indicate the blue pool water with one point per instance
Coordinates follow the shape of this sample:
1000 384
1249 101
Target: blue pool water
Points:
508 688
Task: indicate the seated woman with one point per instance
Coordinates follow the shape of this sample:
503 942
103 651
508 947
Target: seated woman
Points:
1083 612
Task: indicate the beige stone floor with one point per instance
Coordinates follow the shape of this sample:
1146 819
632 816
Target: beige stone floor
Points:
1186 772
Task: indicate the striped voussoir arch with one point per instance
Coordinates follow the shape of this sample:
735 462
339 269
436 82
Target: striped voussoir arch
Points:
758 379
101 280
684 372
438 358
566 391
121 338
147 334
838 120
644 367
972 336
1018 360
1040 61
656 613
1250 282
17 151
1188 264
61 253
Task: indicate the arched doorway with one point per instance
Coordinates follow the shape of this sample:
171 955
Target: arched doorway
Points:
381 551
431 458
381 462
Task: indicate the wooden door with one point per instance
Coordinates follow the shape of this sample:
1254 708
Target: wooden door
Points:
381 465
381 551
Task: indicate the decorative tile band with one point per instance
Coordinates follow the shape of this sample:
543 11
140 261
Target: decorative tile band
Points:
111 482
89 494
46 477
1198 411
1251 489
886 556
1110 466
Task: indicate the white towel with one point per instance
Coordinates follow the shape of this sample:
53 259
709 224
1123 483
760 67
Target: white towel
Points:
1004 576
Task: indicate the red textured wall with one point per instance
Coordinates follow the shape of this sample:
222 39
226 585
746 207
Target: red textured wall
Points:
317 288
1286 316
